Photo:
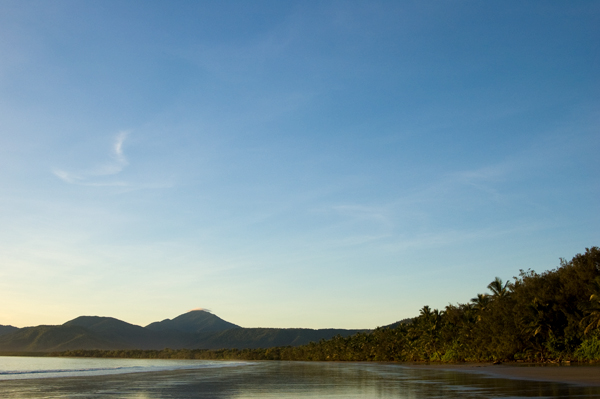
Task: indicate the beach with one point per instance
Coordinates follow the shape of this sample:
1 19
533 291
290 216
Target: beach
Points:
578 374
279 379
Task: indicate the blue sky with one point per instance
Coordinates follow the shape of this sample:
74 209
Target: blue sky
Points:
290 164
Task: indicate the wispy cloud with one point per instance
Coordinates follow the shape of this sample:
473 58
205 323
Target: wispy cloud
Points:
363 212
442 211
454 237
67 177
202 309
115 166
118 155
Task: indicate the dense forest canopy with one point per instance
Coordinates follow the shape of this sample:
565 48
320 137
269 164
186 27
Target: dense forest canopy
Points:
550 316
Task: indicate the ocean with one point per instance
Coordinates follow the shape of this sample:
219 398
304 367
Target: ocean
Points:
45 378
17 368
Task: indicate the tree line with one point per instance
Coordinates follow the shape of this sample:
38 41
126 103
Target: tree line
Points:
537 317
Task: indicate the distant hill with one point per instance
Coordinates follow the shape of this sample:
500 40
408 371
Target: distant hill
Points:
193 330
250 338
7 329
92 332
53 338
396 324
130 336
195 321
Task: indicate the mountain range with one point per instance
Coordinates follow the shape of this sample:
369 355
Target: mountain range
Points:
196 329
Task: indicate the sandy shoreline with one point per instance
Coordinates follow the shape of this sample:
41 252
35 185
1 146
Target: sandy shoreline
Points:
580 374
335 380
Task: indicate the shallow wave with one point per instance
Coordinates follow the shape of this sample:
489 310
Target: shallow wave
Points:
17 372
24 369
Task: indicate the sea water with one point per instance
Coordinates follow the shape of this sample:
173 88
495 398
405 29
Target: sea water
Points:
15 367
44 378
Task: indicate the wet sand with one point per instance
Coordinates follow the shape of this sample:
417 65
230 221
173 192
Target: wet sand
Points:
310 380
579 374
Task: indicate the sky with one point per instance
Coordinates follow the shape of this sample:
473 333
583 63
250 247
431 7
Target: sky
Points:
319 164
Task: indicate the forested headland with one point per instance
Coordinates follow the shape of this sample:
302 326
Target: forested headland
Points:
552 316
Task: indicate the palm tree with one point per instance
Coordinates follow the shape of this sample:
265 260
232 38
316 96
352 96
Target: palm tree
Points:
480 301
498 289
537 319
427 332
425 312
593 318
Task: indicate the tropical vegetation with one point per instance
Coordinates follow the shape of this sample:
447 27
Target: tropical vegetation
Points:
552 316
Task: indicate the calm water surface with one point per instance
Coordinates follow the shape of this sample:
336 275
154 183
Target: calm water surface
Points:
154 379
15 367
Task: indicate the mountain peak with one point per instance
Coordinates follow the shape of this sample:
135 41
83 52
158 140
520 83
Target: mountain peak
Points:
101 323
89 321
195 320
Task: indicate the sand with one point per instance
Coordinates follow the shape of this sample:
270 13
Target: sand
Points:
315 380
579 374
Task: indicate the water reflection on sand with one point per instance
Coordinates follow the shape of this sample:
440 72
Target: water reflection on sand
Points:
293 380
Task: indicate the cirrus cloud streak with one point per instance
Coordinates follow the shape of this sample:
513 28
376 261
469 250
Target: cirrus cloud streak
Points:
89 177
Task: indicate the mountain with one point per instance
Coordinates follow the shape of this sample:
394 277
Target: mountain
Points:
193 330
129 336
396 324
91 332
7 329
251 338
52 338
194 321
